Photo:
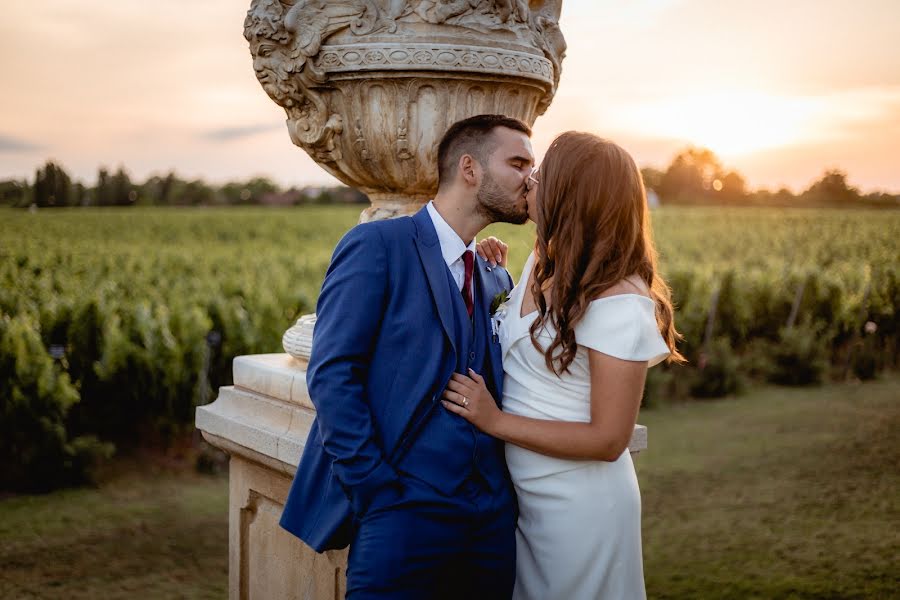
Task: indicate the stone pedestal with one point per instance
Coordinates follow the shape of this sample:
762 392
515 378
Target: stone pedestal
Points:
262 421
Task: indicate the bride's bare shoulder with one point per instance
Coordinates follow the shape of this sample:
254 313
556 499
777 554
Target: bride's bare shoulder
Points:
630 285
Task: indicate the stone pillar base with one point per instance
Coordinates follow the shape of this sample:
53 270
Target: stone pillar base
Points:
262 422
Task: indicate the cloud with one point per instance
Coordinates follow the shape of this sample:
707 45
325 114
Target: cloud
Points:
11 144
228 134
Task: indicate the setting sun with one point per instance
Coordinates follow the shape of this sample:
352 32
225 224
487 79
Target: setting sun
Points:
730 123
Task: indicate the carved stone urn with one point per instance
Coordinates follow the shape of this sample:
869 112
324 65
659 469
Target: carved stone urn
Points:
370 86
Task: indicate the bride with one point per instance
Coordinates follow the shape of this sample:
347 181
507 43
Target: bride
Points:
588 317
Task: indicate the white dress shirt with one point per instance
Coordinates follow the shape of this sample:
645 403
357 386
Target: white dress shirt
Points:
452 248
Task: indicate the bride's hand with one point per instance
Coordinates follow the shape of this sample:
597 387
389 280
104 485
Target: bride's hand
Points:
493 250
469 398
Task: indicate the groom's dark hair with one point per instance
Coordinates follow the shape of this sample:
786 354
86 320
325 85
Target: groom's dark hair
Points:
471 136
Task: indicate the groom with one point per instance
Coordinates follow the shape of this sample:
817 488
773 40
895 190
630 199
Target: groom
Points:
422 497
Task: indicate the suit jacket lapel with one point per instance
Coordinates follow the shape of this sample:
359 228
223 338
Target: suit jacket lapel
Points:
429 248
488 291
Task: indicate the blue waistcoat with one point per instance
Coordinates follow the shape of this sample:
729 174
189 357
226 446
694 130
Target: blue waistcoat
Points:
445 439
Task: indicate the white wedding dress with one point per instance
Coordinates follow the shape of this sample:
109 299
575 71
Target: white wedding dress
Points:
579 530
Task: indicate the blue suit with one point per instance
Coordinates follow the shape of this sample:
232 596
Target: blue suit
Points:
383 457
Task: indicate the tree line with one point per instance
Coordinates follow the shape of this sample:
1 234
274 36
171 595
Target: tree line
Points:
52 187
695 176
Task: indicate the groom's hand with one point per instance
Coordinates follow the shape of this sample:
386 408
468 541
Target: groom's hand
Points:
493 250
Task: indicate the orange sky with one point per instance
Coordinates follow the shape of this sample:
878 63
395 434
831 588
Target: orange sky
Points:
779 90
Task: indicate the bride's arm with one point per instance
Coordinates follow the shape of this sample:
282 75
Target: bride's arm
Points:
616 389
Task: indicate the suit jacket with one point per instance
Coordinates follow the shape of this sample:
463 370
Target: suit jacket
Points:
383 352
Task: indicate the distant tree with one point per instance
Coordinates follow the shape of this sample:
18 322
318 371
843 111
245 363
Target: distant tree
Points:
690 177
103 191
248 192
167 188
783 197
193 193
115 189
260 186
123 192
832 188
881 200
158 189
731 187
13 192
80 195
696 176
51 185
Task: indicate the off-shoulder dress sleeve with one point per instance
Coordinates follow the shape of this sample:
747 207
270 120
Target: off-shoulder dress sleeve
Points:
624 327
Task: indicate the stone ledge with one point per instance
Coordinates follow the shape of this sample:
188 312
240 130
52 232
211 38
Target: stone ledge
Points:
267 414
278 376
257 425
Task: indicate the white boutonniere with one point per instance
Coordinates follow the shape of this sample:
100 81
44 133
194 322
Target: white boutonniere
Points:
498 312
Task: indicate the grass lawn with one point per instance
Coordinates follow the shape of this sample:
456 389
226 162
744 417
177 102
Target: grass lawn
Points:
781 493
142 535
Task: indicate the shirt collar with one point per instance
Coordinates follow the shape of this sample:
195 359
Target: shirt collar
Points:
452 246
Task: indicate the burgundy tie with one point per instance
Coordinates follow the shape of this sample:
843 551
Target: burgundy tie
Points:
469 260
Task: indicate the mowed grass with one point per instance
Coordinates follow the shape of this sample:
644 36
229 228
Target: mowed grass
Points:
144 535
780 493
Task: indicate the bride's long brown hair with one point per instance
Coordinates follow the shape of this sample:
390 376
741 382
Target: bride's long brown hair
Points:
593 231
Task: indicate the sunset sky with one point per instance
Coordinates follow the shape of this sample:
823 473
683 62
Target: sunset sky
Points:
779 90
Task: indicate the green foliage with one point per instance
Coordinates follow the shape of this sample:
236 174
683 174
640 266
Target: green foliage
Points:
248 192
758 258
718 373
832 188
114 190
14 192
35 397
800 356
144 309
696 176
51 185
867 358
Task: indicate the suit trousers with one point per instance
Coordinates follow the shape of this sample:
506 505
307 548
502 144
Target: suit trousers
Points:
426 545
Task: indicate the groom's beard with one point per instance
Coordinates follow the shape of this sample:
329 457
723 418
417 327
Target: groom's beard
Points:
495 203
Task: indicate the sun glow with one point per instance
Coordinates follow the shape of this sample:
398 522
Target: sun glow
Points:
730 123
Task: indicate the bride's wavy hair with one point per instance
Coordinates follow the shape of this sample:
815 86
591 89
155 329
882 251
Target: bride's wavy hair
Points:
593 231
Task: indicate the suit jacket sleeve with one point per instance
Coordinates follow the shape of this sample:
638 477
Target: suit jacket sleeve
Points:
352 301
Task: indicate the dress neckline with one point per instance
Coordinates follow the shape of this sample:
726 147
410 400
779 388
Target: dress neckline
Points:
526 277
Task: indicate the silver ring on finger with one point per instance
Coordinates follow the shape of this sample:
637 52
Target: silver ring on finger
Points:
465 402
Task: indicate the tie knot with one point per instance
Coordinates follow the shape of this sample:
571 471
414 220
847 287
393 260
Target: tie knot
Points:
468 259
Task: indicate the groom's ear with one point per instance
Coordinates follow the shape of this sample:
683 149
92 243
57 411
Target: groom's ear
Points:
468 169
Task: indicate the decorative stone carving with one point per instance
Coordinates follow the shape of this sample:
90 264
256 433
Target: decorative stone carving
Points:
369 86
297 341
